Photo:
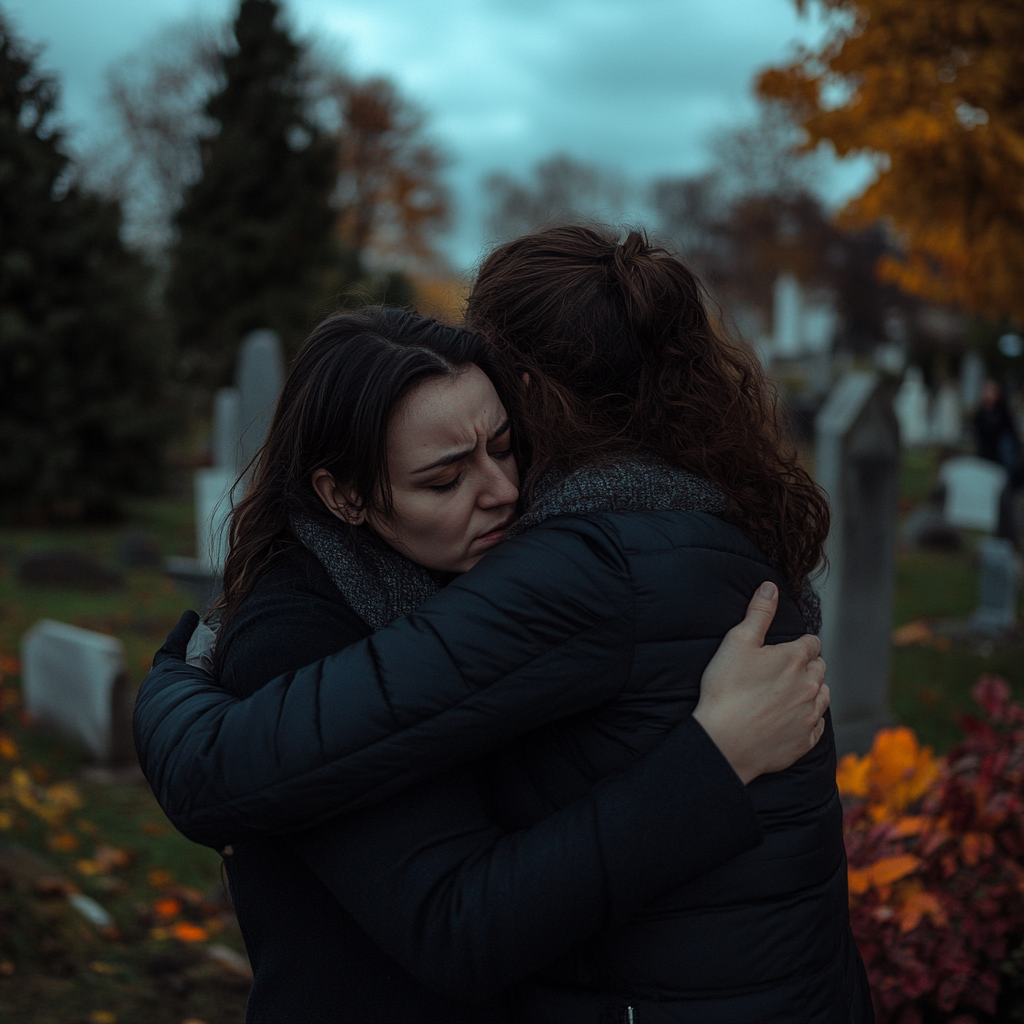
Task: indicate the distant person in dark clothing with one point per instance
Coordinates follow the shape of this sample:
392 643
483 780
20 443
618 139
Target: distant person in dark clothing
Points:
995 433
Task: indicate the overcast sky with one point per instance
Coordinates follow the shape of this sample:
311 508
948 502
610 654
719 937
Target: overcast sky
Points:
636 85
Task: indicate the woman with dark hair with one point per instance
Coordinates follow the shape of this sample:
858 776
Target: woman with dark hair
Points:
656 464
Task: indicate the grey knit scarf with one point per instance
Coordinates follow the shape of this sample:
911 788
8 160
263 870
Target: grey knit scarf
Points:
380 585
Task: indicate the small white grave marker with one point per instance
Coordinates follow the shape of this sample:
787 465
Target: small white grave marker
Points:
973 489
947 419
74 681
911 408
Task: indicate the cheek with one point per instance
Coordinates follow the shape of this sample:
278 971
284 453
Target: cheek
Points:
430 529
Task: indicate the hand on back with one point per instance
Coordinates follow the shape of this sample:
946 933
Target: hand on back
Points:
762 705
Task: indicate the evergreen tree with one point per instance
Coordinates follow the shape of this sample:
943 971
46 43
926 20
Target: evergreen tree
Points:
81 424
256 233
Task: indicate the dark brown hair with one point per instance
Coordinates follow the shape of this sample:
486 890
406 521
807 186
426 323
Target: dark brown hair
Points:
342 390
623 359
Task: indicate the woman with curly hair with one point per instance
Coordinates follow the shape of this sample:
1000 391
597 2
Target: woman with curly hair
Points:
659 494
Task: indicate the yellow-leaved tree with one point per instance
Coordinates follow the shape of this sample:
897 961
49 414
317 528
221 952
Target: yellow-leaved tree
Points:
935 89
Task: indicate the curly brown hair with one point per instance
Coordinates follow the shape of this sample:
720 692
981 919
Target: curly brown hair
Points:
609 351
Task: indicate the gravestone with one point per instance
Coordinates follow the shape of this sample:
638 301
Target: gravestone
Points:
974 488
74 681
787 301
259 379
213 507
241 419
911 407
946 425
226 430
858 466
972 377
998 584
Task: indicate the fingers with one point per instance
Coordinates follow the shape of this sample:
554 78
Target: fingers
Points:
760 613
823 700
177 640
817 733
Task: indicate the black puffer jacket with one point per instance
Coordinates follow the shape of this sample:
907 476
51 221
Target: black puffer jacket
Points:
629 606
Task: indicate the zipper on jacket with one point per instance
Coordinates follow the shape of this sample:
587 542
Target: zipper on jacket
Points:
628 1016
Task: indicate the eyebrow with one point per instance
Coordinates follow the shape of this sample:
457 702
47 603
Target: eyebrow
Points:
461 453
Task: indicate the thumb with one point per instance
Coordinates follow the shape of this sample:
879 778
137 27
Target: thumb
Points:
760 614
177 640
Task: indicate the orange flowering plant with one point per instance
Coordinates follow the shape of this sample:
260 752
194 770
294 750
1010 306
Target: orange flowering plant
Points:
934 849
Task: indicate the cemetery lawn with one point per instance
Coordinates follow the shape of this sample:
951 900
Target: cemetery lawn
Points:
103 835
931 680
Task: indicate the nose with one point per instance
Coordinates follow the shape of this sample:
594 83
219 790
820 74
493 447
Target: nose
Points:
497 489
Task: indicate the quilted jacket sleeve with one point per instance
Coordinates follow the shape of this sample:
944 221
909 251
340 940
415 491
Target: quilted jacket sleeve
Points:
541 629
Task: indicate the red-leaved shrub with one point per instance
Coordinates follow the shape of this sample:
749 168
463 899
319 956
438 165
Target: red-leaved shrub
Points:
935 849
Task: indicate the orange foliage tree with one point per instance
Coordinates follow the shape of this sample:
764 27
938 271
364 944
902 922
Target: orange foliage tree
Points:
392 196
936 91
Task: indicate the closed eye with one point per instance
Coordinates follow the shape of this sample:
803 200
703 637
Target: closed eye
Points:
445 488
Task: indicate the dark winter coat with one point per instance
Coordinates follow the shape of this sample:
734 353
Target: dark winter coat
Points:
615 612
365 918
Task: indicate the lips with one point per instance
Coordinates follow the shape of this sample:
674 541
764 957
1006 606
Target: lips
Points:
500 528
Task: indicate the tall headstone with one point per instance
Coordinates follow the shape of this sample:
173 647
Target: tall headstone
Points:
787 302
972 377
227 414
911 407
74 681
259 379
974 488
858 466
946 426
998 585
241 419
213 500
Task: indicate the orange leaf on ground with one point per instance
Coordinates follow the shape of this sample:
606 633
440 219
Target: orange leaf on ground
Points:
8 748
167 907
183 931
158 878
917 632
110 857
63 842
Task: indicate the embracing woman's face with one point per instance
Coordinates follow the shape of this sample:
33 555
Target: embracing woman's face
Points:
454 480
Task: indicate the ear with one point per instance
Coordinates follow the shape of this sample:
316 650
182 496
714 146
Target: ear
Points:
341 503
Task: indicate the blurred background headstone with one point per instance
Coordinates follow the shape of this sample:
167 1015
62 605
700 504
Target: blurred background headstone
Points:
911 407
998 585
259 379
858 466
972 376
74 682
227 433
974 488
946 426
